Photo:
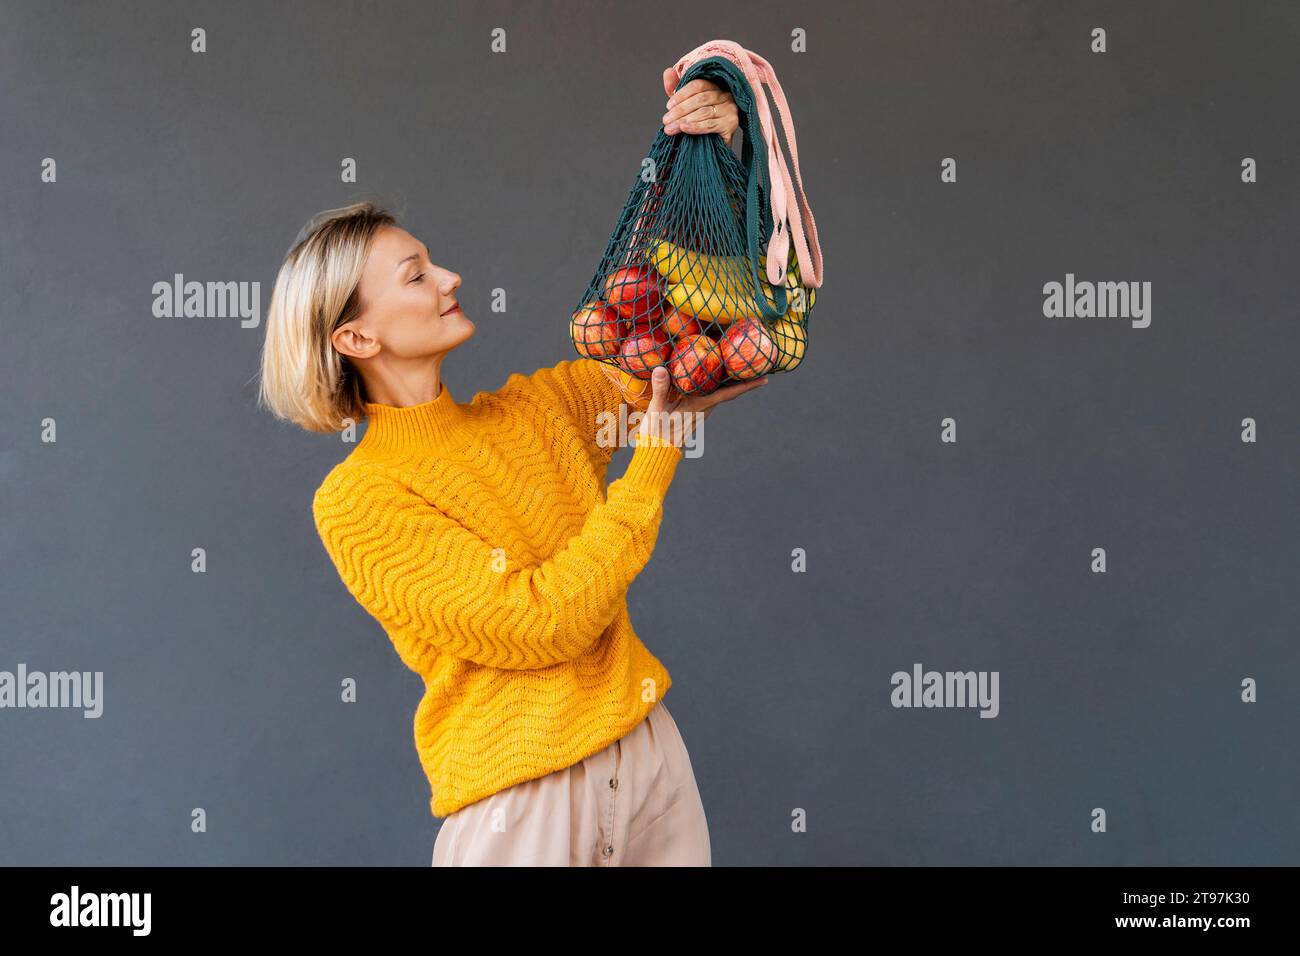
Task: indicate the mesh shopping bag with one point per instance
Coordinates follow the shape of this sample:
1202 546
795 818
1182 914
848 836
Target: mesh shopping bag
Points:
684 280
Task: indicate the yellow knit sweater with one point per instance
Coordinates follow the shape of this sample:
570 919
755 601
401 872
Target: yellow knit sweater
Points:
483 539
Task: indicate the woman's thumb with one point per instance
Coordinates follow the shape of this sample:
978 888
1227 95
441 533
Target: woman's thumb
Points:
659 386
670 81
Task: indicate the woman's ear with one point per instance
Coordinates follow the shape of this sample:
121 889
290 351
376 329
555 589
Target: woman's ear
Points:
351 340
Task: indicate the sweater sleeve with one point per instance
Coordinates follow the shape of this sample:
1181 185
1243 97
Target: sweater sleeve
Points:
585 393
421 573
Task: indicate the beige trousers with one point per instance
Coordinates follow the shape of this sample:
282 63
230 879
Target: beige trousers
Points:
635 803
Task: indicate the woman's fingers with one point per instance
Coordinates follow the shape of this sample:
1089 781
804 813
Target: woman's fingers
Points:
703 121
725 394
699 107
673 419
690 97
693 88
703 107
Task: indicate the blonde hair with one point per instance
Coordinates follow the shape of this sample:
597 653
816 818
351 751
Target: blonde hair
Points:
304 380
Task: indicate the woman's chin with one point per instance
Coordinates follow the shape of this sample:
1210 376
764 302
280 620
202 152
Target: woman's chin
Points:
456 327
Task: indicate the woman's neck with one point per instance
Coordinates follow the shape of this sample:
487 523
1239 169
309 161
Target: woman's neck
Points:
436 425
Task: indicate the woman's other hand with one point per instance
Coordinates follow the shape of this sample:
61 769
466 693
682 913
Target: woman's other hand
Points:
699 107
674 419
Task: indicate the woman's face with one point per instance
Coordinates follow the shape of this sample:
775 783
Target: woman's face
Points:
408 307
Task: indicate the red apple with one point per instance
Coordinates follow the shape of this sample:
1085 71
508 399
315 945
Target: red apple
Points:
696 365
634 291
598 330
642 353
654 324
748 350
677 323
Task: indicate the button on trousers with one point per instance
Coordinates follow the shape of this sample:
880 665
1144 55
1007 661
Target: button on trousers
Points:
635 803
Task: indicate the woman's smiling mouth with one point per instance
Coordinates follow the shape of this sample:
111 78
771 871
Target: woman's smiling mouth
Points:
453 310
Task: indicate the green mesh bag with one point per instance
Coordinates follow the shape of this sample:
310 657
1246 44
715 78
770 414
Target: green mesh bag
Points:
683 280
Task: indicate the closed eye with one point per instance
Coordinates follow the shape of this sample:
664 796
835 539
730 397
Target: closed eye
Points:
418 278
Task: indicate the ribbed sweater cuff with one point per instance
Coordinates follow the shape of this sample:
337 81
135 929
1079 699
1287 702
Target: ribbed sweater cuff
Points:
654 461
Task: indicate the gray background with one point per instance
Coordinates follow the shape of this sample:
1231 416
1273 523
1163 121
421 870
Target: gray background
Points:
1118 690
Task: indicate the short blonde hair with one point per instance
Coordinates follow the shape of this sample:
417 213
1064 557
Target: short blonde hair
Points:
304 379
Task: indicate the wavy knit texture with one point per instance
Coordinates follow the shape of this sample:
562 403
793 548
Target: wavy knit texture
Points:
483 540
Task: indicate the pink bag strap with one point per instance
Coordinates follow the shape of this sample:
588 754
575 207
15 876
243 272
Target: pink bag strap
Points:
782 185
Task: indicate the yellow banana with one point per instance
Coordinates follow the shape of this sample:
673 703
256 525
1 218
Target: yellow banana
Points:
695 280
677 264
704 302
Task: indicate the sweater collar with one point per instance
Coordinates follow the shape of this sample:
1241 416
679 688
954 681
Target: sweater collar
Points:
440 423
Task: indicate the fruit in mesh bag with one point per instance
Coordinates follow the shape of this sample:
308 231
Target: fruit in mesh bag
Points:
677 323
597 330
644 350
718 288
702 285
710 303
748 349
677 264
636 392
696 364
800 298
634 291
791 341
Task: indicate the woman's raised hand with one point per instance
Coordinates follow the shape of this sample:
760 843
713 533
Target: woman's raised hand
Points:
673 417
699 107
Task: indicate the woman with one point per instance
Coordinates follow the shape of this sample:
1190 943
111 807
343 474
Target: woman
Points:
482 538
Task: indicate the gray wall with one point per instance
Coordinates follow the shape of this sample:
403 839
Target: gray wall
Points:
1118 690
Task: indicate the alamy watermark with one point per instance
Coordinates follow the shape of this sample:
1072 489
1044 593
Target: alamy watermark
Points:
72 689
76 908
946 689
1103 300
208 300
684 429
